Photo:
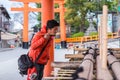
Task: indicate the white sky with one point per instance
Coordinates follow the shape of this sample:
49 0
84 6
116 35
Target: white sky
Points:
6 4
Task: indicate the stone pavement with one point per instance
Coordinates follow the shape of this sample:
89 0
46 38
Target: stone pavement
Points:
8 62
5 49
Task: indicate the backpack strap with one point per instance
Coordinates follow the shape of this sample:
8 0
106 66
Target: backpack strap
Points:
41 51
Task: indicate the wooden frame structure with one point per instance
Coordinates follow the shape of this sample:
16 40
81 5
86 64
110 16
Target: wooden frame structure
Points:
26 9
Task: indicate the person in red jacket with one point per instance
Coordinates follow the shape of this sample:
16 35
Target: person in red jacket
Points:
38 42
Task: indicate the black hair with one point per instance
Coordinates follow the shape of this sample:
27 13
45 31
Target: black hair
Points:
51 24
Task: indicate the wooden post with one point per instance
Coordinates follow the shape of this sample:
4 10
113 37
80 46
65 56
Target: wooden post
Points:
102 74
26 10
104 37
48 14
62 26
100 38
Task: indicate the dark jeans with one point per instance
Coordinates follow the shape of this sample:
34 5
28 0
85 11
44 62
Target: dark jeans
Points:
40 69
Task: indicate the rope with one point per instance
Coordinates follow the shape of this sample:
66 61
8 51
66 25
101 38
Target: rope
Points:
88 59
112 64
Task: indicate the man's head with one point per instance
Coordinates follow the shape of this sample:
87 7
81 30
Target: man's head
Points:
52 27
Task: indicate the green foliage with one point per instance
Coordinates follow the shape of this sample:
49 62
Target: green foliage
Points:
112 5
38 5
56 6
38 25
39 16
57 15
93 34
77 11
80 34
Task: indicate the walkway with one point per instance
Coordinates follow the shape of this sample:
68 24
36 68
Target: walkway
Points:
8 62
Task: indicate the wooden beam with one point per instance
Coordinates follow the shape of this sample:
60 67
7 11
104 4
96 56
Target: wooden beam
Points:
17 9
80 49
64 74
66 70
65 64
27 1
117 55
104 37
115 49
74 56
36 1
57 78
32 9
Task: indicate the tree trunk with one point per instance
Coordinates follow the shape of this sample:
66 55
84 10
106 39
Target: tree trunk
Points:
82 23
81 26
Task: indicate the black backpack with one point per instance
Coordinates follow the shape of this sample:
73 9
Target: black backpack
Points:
25 62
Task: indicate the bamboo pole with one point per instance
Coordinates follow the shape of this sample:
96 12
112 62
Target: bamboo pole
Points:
115 65
80 49
117 55
115 49
100 38
102 74
87 65
67 56
57 78
104 37
65 64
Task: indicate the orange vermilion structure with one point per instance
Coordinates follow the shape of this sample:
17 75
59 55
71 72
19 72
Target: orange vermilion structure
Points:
62 26
47 13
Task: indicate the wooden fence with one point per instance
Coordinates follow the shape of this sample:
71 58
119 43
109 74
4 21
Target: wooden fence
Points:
87 38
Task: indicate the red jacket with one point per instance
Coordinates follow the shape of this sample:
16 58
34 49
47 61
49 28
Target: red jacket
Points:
38 42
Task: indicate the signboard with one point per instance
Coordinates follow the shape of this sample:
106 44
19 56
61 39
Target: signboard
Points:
118 8
109 23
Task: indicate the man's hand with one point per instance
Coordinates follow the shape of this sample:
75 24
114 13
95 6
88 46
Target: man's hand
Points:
47 36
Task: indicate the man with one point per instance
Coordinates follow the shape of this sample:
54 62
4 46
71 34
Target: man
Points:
39 40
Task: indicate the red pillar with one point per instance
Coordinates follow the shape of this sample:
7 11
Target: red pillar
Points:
25 27
62 26
47 10
47 14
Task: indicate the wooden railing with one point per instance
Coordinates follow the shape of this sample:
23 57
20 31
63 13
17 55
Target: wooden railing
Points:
87 38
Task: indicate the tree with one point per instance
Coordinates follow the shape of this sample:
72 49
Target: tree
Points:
57 14
38 5
77 11
76 14
112 5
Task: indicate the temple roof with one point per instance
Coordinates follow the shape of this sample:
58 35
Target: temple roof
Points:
4 12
